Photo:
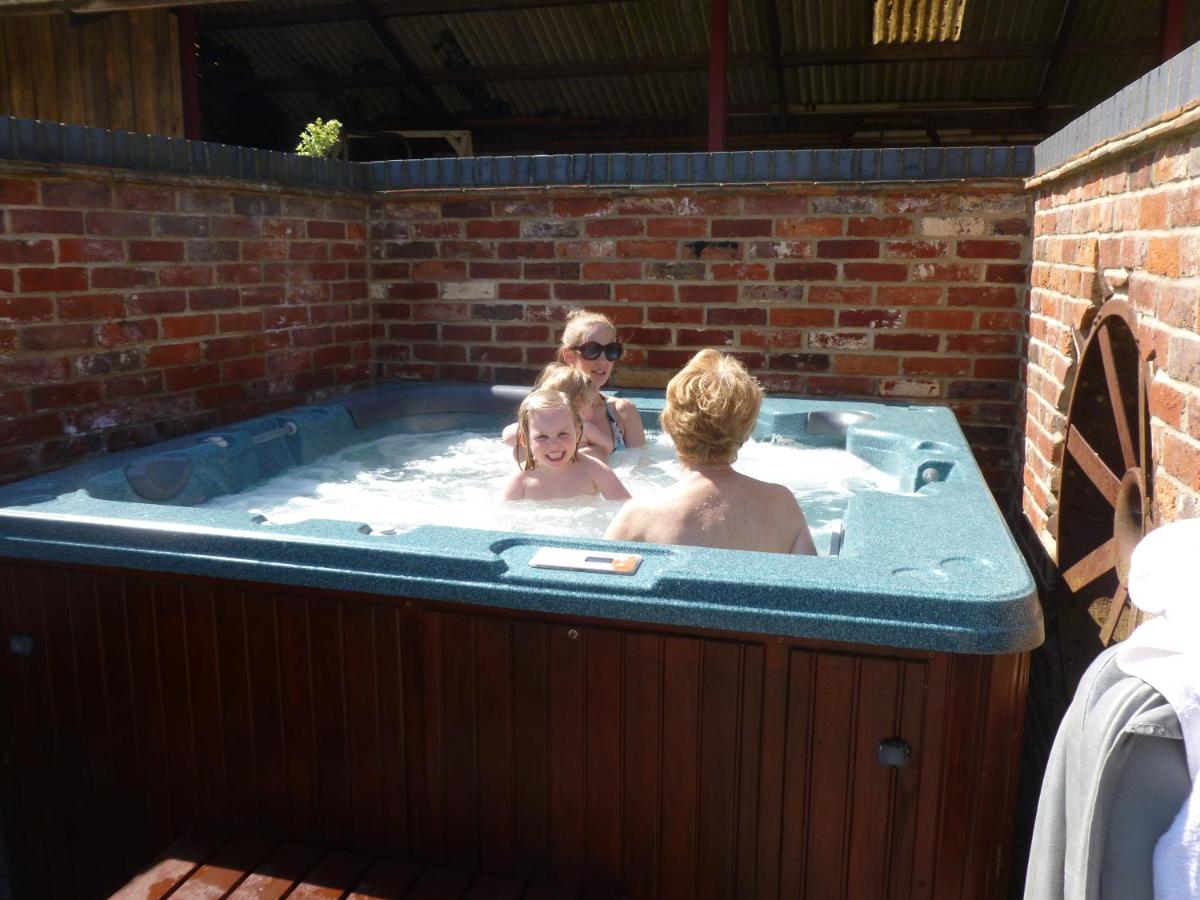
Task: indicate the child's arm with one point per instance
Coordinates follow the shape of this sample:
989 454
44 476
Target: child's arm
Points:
514 488
606 481
509 434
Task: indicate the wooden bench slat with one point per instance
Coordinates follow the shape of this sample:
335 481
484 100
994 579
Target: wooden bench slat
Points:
493 887
440 884
224 869
275 875
178 862
332 877
386 880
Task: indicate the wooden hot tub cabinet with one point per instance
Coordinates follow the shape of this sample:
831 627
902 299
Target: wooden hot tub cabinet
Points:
624 757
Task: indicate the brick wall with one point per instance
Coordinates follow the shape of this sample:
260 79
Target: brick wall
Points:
135 310
914 292
1140 213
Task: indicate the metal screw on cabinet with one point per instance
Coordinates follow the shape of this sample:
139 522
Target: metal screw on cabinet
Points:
895 753
573 634
20 644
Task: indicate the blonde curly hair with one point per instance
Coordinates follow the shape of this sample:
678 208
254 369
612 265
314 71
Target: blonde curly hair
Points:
711 409
542 400
560 377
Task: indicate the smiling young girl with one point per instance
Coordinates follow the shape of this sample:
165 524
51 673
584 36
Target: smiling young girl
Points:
582 392
590 344
552 468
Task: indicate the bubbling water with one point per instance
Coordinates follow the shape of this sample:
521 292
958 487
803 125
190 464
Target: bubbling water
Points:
399 482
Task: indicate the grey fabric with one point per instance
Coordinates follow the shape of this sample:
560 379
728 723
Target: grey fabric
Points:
1116 778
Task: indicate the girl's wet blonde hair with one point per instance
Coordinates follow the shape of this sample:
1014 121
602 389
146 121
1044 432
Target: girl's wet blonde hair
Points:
543 400
561 377
579 323
711 409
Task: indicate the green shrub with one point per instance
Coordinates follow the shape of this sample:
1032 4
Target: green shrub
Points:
318 138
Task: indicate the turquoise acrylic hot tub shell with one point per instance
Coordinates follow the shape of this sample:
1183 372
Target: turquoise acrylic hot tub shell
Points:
935 569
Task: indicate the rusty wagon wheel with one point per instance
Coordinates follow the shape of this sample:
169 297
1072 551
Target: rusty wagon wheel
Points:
1104 499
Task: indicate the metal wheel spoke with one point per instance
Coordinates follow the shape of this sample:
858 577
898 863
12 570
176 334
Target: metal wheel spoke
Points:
1092 566
1093 466
1114 615
1114 398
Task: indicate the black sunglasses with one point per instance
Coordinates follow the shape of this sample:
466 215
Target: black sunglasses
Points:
592 350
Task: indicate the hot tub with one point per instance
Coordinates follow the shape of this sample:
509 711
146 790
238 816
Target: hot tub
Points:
716 723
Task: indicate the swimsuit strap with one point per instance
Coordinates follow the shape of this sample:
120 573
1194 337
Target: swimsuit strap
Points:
618 436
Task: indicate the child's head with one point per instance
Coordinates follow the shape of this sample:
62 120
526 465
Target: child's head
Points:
589 344
711 407
548 430
580 389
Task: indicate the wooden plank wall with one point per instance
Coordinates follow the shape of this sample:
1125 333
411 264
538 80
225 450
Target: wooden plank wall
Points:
599 758
118 71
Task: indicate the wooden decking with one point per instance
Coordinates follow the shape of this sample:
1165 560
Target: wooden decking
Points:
214 864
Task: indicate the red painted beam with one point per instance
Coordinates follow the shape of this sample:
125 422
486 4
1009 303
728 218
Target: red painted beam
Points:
188 74
718 51
1171 32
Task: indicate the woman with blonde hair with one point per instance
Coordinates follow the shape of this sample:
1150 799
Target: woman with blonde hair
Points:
711 409
591 345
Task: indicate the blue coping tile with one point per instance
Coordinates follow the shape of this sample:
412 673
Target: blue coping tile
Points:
639 168
26 139
447 171
559 169
506 170
956 162
295 171
658 168
539 170
932 162
75 144
760 165
484 170
599 168
781 165
976 162
824 164
679 167
740 166
522 167
804 164
427 173
118 149
1023 161
845 163
719 166
914 160
580 168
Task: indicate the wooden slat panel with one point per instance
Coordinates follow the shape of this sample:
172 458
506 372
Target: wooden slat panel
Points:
204 700
329 717
797 807
171 635
119 74
680 760
146 87
334 875
460 741
602 822
364 711
720 693
642 700
414 723
435 739
21 46
176 864
492 887
494 689
910 721
872 786
45 74
6 103
225 869
275 876
440 884
299 726
834 699
933 772
567 754
238 750
753 746
386 880
531 731
271 799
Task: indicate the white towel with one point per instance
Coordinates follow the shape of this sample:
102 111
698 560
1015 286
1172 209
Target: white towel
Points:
1165 653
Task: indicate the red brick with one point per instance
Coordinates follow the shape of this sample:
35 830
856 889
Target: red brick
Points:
239 273
74 394
998 368
152 303
438 270
119 224
777 205
124 277
332 231
62 278
588 249
741 228
495 228
26 309
1010 274
878 227
187 377
677 227
76 194
915 249
939 319
648 249
228 347
983 296
33 371
535 333
91 306
239 321
813 271
583 291
945 272
35 221
780 250
875 272
143 199
740 272
307 250
708 293
212 298
777 338
583 207
181 226
989 249
348 251
1162 256
156 251
869 318
256 251
522 290
560 271
722 315
621 315
981 343
936 365
799 317
645 293
268 295
839 295
925 343
56 337
615 227
847 249
865 364
466 209
612 271
466 250
845 385
18 192
909 296
693 315
8 281
708 337
811 226
24 252
85 250
800 362
1001 321
135 331
243 369
188 326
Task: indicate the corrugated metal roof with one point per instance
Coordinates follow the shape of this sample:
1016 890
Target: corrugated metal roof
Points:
808 35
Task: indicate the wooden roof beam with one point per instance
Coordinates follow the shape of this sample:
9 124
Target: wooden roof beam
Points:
400 56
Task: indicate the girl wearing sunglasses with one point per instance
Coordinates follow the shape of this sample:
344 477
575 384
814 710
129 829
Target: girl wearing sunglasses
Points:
589 344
